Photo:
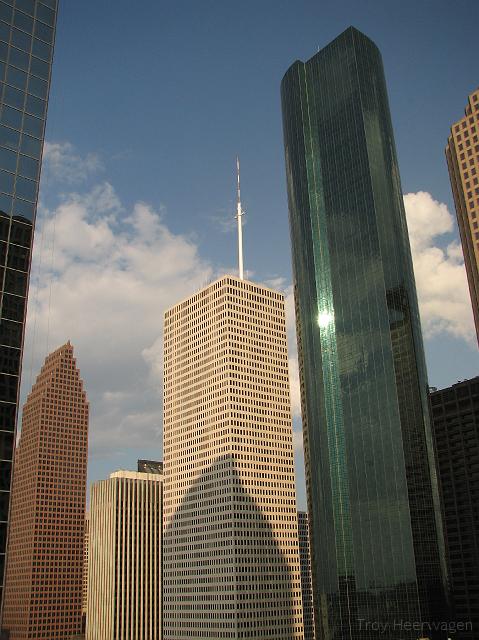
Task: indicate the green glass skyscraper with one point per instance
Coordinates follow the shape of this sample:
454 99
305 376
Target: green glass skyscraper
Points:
376 534
27 33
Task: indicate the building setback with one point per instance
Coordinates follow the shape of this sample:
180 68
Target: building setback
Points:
455 420
306 585
27 33
125 555
462 155
43 583
231 562
376 537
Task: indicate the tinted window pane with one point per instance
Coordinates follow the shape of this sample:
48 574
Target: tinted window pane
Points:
4 227
21 40
13 309
41 49
9 360
35 106
50 3
21 233
4 31
12 117
28 167
5 472
43 32
25 189
6 182
5 205
23 210
39 68
22 21
3 254
45 14
8 160
37 87
4 502
9 138
10 334
2 70
14 97
16 78
15 282
3 535
8 387
6 447
5 12
18 258
31 146
19 58
26 5
33 126
3 51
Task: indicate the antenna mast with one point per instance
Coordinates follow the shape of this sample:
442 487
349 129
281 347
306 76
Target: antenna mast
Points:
239 215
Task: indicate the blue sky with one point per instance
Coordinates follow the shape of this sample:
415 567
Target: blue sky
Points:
150 103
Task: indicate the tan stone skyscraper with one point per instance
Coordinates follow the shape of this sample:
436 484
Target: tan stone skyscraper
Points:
462 154
124 568
43 586
231 562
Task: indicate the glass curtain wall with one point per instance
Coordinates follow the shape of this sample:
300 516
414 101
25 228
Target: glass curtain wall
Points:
376 541
27 32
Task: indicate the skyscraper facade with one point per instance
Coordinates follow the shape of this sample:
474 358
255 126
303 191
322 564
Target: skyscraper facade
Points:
462 155
455 420
376 541
85 567
43 582
125 557
306 584
27 32
231 563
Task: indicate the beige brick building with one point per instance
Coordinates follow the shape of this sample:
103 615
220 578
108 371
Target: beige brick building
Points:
231 562
462 154
124 566
43 586
85 564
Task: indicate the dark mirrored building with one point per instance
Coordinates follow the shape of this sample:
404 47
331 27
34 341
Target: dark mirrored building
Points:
377 549
455 422
27 31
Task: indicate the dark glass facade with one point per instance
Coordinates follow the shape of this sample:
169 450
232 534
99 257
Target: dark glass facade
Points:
305 566
455 421
377 550
27 32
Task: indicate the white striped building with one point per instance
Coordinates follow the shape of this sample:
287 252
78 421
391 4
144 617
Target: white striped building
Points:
231 560
124 567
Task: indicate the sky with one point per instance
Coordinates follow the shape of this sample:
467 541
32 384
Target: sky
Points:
150 103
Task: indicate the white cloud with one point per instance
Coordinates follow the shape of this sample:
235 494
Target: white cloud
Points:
112 277
442 289
61 162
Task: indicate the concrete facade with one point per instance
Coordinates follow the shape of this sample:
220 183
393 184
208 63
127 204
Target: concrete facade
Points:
124 567
231 561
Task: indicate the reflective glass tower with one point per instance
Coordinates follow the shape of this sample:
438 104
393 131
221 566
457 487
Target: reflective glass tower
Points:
376 540
27 31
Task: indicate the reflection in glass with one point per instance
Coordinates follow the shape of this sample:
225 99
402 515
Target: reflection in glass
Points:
374 517
13 308
8 160
18 257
